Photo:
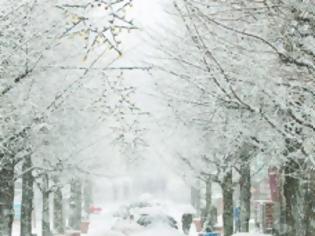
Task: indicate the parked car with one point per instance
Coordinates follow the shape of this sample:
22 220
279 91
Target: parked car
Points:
126 210
122 212
153 219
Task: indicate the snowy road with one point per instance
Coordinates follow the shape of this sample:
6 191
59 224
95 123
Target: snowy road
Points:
103 224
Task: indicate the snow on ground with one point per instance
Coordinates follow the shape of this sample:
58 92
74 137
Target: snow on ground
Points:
16 228
251 234
105 224
158 231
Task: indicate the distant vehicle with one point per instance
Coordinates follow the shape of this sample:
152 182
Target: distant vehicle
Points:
122 212
155 219
126 210
140 205
95 210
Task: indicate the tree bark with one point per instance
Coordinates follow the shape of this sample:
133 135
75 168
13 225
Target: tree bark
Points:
87 192
27 197
59 222
45 207
309 219
279 208
6 194
210 211
75 205
290 189
227 189
245 195
195 197
208 195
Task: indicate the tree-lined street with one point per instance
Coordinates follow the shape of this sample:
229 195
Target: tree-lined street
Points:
206 106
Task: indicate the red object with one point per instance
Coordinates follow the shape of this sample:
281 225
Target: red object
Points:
84 227
95 210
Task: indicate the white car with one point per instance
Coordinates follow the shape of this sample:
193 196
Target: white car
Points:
157 219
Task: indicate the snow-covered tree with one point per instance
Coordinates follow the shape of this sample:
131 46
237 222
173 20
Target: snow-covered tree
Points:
47 51
243 73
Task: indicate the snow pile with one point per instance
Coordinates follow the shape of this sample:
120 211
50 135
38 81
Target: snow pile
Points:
102 223
127 228
158 230
107 224
251 234
110 233
151 211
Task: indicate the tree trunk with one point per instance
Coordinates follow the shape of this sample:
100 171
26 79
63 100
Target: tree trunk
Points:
245 195
210 211
290 189
304 212
6 195
279 208
27 197
195 197
87 192
59 222
208 196
75 205
46 208
227 189
310 204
